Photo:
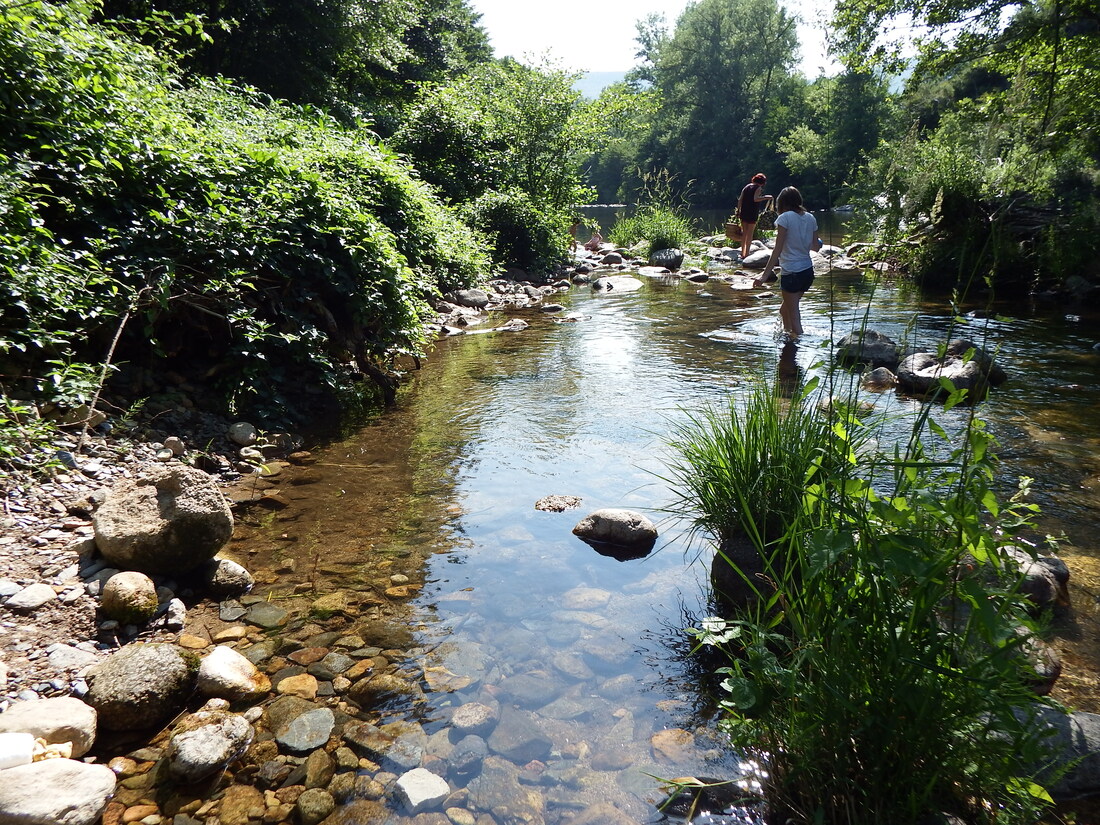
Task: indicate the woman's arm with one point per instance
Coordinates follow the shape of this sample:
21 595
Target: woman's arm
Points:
780 240
759 195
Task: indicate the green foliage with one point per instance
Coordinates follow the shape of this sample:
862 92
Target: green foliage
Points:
887 613
1004 148
519 234
348 57
251 240
742 468
503 127
626 113
722 76
22 432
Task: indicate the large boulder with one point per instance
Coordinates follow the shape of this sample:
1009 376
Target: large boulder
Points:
1074 739
668 258
55 792
140 686
965 364
168 520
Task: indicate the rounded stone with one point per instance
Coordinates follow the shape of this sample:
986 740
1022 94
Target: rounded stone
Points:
130 597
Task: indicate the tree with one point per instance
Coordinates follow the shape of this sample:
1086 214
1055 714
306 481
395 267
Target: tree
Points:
503 126
358 58
720 77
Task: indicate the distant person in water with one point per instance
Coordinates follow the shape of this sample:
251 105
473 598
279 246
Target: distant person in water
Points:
749 206
593 243
796 235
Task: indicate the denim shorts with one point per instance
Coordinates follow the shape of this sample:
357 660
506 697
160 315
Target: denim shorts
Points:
797 281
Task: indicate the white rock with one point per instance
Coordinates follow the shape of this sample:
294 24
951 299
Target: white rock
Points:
227 674
77 793
31 598
15 749
57 720
421 790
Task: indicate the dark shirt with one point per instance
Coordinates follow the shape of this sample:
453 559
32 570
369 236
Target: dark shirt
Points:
748 208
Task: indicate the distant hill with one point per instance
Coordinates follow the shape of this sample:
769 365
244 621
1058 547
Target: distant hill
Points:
592 83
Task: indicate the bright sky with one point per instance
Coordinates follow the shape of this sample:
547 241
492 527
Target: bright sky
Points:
598 35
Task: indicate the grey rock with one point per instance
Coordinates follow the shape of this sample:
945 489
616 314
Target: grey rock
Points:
466 757
497 788
266 615
207 742
224 578
243 434
66 657
300 726
475 298
518 738
140 686
867 347
31 598
616 526
168 520
670 258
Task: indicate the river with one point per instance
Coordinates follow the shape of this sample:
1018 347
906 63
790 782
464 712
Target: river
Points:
505 607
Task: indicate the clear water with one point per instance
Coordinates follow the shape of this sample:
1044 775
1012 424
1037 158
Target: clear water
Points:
445 485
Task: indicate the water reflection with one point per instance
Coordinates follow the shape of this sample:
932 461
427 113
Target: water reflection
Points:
580 652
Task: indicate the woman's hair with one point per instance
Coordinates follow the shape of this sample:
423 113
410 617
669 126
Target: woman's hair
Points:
759 177
789 199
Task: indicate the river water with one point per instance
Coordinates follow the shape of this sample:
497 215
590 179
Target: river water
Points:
507 608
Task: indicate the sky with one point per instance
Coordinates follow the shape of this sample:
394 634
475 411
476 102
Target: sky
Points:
598 35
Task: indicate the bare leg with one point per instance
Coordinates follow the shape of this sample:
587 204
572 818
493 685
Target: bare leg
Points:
747 231
791 313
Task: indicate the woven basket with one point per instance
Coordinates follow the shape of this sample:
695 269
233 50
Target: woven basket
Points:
733 231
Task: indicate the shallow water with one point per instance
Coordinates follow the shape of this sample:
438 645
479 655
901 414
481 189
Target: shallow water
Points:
510 607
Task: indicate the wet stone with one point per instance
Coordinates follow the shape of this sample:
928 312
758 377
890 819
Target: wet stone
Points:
531 690
308 655
518 738
467 756
266 615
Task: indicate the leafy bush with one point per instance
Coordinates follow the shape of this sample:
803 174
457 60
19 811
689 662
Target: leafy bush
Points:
881 675
519 234
230 235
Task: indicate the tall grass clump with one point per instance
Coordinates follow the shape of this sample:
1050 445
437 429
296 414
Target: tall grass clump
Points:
660 227
880 675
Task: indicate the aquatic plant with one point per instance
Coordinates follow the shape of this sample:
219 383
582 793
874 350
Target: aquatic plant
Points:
880 673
